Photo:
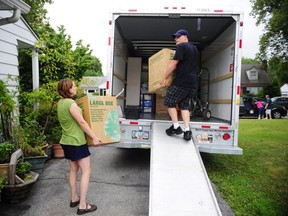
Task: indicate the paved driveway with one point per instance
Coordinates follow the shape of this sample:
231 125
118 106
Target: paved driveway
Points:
119 187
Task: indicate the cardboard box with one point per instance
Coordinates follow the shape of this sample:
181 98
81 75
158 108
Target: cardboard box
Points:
101 113
160 107
158 64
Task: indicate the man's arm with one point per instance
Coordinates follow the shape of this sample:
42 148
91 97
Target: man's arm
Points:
171 67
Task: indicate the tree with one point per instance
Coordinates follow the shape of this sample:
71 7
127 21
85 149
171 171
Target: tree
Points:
56 58
56 55
86 64
249 61
274 88
278 67
273 14
37 13
274 42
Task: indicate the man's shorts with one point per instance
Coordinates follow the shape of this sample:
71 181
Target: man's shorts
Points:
268 112
179 95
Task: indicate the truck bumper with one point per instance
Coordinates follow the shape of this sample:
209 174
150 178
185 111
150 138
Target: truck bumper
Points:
218 149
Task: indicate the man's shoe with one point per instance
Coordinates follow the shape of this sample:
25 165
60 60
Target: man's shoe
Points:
171 131
187 135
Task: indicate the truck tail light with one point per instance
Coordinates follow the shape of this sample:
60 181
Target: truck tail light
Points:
226 136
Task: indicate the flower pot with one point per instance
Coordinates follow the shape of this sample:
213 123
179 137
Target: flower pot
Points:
58 152
17 193
17 189
37 162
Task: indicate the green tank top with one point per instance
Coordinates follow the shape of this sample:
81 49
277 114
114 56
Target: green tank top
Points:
72 134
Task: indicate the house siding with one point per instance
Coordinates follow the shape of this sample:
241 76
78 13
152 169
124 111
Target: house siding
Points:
17 31
12 37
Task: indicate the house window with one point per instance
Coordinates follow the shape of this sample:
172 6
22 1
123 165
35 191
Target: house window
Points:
252 74
254 90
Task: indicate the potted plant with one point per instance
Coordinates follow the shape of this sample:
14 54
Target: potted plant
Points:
54 140
31 142
46 98
14 173
20 180
38 120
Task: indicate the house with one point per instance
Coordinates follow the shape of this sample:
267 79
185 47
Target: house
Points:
284 90
15 34
253 78
94 85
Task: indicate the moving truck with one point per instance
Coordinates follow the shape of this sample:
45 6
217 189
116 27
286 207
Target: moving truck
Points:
135 35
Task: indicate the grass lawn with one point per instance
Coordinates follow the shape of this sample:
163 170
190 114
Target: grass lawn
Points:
255 183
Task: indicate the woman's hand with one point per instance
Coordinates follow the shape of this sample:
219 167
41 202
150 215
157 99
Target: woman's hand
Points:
96 141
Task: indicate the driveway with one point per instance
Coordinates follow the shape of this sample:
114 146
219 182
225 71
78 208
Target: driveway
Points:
119 186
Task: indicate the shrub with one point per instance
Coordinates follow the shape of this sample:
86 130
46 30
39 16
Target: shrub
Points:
6 150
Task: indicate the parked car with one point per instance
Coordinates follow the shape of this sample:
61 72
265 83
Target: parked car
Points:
249 109
281 101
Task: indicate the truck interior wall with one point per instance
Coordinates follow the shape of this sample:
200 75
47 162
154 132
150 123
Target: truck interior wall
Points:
219 58
119 69
133 81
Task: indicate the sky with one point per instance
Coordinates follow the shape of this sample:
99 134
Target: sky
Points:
88 20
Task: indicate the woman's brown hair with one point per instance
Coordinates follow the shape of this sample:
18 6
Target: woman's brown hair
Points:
64 87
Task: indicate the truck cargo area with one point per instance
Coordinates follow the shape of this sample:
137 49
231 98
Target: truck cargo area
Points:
137 35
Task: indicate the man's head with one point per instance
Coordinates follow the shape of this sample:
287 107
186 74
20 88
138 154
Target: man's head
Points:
181 36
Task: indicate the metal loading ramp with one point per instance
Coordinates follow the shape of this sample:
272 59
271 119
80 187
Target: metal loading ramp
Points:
179 185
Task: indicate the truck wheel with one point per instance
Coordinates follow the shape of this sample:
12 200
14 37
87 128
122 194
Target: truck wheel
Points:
206 114
276 115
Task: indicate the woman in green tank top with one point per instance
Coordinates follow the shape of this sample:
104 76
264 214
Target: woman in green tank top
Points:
74 144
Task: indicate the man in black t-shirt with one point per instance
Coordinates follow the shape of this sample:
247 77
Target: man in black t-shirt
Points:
184 84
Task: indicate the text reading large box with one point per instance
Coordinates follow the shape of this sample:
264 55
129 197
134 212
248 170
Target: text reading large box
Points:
158 64
101 114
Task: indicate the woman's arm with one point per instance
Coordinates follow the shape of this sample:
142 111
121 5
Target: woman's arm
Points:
74 110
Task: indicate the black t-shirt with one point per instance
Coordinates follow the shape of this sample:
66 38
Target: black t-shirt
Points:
185 74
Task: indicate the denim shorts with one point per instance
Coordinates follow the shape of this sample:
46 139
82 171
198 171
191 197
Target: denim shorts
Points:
179 95
75 153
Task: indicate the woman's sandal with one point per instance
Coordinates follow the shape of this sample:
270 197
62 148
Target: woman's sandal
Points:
74 204
87 210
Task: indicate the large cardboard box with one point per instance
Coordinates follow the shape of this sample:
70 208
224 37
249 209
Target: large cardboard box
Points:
160 107
101 113
158 64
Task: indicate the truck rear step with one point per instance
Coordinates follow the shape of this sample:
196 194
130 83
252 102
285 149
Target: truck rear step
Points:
179 184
